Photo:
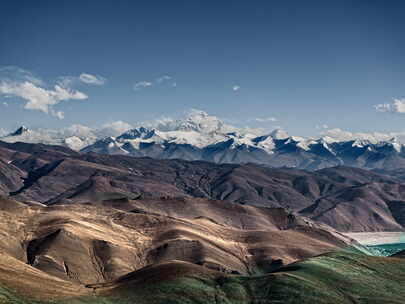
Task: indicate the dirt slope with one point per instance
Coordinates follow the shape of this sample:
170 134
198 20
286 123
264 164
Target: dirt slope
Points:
80 244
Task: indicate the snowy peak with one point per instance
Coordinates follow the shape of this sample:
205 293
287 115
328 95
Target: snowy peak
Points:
279 134
195 121
361 143
200 136
200 121
20 131
143 133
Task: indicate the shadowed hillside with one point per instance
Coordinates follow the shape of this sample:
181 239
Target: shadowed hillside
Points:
54 175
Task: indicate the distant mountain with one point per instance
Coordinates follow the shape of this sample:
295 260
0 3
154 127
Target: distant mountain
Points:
204 137
20 131
75 137
191 140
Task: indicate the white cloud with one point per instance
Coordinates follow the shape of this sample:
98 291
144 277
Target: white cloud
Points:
77 130
383 107
38 98
337 134
16 82
16 74
67 81
92 79
142 84
266 119
115 128
397 106
84 78
163 78
235 88
5 104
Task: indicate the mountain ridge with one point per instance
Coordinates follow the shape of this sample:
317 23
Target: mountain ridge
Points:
50 175
204 137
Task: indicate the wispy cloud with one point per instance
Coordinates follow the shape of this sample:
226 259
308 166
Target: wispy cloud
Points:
14 73
265 119
142 84
116 127
84 78
92 79
16 82
163 79
337 134
397 106
235 88
159 81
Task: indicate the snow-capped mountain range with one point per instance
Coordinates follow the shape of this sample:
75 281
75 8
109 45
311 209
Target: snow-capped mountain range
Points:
204 137
75 137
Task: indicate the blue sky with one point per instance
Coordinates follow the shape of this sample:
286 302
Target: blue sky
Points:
305 63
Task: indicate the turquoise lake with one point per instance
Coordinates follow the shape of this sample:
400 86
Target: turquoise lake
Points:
386 249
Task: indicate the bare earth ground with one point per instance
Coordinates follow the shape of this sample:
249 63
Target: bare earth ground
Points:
69 247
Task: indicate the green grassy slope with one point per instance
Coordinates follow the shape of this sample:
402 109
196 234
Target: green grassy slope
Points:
343 277
340 277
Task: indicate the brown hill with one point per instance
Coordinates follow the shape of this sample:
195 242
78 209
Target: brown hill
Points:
74 245
349 199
